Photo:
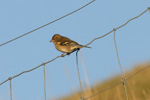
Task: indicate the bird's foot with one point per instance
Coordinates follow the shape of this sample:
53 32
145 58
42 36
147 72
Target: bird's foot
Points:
68 54
78 49
63 55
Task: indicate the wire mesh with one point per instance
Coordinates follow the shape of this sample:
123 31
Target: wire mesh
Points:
43 64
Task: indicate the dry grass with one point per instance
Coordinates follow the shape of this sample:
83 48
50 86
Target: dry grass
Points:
138 88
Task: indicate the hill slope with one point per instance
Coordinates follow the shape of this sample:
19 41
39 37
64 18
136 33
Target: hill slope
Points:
138 87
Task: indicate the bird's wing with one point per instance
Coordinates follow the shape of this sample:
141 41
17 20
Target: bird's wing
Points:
64 41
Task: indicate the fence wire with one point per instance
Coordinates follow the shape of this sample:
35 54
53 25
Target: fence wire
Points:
44 81
118 27
123 78
43 64
116 84
47 24
10 89
81 89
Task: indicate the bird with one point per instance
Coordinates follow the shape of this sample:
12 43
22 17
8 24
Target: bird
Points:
65 45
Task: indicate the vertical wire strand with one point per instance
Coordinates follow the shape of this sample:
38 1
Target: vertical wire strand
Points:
123 79
44 81
125 87
82 97
117 54
10 89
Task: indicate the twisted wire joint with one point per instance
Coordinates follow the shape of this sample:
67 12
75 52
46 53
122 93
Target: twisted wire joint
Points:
123 80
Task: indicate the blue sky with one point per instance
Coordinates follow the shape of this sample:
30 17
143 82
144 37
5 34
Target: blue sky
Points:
100 62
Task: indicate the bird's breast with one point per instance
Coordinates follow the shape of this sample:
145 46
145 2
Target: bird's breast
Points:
64 49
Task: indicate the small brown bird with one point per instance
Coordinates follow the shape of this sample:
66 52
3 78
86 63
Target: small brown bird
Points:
65 45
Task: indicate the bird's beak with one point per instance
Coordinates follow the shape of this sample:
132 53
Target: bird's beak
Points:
51 41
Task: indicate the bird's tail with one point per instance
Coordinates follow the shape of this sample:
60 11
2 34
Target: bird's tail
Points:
81 46
84 46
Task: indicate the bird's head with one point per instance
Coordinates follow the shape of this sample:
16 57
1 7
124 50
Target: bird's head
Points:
55 38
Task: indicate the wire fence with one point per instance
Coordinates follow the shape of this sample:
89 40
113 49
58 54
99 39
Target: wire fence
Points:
47 24
123 79
44 81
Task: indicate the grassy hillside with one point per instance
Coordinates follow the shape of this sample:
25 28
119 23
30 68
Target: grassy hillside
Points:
138 87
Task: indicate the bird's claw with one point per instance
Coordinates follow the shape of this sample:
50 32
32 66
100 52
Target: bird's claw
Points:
68 54
62 55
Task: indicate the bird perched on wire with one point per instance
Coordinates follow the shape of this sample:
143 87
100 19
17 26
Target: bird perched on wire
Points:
65 45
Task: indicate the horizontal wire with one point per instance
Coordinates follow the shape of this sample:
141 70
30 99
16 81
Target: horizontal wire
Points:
138 72
30 69
103 90
117 27
117 55
47 23
4 81
86 45
118 82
